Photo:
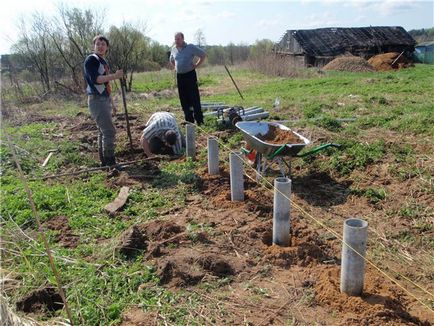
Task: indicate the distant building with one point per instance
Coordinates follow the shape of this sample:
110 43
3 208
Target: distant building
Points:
424 52
317 47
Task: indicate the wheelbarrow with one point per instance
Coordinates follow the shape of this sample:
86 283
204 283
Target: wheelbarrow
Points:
263 153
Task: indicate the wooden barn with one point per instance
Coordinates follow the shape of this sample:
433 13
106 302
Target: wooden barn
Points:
317 47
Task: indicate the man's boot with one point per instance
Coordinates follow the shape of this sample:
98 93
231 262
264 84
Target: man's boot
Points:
110 161
109 158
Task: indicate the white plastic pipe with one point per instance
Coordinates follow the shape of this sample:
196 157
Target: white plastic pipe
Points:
353 253
255 116
281 212
190 131
213 156
236 176
258 110
251 109
247 114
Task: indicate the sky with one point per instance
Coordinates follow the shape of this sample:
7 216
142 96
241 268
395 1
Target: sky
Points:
223 22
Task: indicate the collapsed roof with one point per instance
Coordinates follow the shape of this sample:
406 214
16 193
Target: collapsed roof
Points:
336 41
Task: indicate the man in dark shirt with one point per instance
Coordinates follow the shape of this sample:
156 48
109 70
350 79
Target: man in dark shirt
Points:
98 77
182 59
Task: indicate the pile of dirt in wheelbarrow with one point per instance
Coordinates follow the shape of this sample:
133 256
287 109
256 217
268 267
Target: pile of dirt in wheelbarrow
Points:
349 63
389 61
279 136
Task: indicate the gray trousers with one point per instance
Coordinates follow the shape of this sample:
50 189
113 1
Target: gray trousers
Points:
101 111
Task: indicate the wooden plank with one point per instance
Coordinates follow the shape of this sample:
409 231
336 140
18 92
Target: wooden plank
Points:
119 202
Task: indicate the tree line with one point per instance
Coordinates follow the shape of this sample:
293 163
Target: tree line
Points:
52 49
422 35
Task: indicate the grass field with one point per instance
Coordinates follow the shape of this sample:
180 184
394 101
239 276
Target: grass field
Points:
383 173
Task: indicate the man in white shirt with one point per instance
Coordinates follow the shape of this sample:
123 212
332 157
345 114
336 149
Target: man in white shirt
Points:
161 135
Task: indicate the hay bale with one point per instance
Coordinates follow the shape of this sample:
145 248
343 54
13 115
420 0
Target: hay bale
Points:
349 63
383 62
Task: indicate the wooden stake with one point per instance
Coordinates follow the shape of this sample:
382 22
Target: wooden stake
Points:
399 56
235 84
124 100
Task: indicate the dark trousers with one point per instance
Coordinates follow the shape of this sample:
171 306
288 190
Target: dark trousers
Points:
189 96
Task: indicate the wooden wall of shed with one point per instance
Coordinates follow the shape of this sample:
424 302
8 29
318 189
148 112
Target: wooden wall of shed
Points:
293 60
289 44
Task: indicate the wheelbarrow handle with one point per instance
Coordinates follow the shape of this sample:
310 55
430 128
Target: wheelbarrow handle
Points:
246 151
318 149
277 152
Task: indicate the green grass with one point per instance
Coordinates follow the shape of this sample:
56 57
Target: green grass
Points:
354 155
102 284
374 195
159 80
105 285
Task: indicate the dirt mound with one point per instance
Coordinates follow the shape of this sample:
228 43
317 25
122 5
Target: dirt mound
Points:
132 241
64 234
189 268
216 265
306 248
389 61
278 136
41 301
349 63
161 230
137 317
178 272
217 188
260 201
380 304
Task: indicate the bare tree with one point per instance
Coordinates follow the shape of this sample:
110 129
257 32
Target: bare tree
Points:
34 45
73 37
129 47
199 38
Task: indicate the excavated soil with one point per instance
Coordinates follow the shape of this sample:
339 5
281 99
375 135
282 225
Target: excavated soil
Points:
239 249
158 231
386 61
137 317
349 63
380 304
64 234
188 267
41 301
278 136
263 284
132 241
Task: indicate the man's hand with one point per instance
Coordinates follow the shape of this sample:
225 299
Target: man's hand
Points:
145 145
199 62
119 74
